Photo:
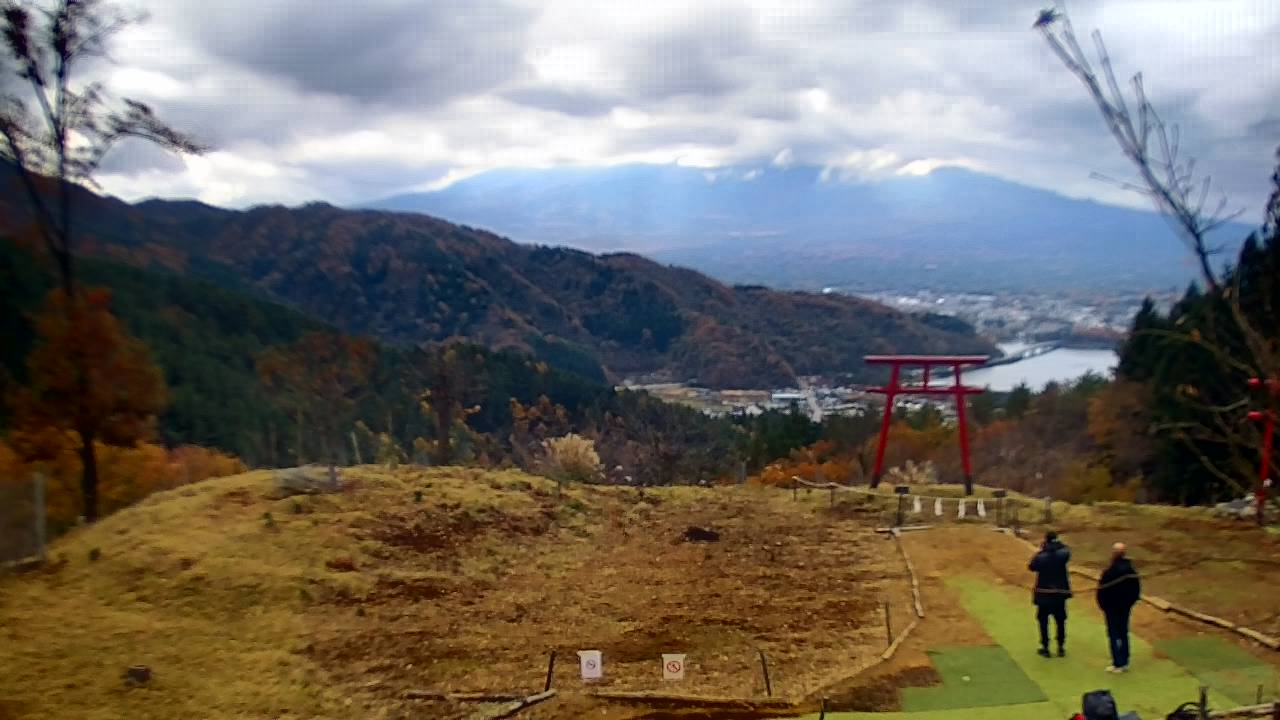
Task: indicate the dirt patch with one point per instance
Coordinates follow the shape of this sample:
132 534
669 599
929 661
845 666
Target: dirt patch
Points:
601 569
448 527
883 692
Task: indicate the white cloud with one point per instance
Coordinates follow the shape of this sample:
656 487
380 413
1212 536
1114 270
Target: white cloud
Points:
863 87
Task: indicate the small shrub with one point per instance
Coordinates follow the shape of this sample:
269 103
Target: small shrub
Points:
572 458
1082 483
297 507
268 521
417 496
94 554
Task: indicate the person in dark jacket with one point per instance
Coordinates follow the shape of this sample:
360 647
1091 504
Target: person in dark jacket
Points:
1118 591
1053 589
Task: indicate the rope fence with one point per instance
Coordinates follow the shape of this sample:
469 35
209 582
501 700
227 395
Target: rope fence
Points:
1004 511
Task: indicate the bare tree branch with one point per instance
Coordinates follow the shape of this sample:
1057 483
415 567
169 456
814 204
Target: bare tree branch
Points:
1169 182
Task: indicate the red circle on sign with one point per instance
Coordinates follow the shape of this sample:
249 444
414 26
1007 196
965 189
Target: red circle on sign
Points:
674 666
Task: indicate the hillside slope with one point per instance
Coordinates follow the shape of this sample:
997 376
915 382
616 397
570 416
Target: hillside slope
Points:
335 605
413 278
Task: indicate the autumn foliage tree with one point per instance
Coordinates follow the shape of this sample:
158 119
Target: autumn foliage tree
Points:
89 377
450 374
319 380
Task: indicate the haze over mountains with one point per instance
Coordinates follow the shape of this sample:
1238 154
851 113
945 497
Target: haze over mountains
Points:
805 227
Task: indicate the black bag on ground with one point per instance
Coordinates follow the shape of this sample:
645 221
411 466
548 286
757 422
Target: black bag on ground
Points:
1099 705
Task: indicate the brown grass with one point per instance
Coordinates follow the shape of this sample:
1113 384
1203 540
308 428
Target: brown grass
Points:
334 605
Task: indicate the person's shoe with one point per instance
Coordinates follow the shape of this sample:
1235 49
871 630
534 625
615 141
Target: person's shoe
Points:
1043 652
1062 652
1122 670
1111 668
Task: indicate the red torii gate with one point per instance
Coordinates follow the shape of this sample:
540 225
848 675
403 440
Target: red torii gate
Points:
958 390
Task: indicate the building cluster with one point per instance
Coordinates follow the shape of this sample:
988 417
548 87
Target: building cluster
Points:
818 401
1033 318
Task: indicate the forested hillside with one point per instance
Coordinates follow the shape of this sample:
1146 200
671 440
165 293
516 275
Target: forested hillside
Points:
212 346
413 278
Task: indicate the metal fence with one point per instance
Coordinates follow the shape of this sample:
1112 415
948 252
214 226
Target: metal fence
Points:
22 519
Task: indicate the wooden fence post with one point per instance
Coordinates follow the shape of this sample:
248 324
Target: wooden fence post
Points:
764 666
551 668
40 515
1048 511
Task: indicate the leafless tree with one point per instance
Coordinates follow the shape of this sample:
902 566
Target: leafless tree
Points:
1170 180
1153 147
59 127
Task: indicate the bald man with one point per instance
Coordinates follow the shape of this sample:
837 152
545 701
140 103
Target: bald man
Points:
1118 591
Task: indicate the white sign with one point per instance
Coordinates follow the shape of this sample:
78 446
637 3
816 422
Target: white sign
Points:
915 508
982 509
673 666
937 507
961 513
591 663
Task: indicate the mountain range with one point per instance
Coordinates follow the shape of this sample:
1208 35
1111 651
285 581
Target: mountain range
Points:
412 278
808 228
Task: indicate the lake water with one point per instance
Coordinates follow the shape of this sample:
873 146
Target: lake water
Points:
1061 365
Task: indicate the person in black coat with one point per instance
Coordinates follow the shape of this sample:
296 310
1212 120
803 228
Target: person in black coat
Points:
1118 591
1053 589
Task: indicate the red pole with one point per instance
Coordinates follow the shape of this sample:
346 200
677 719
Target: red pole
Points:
1268 432
926 375
890 391
964 435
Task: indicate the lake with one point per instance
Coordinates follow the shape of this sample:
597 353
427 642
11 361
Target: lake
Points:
1061 365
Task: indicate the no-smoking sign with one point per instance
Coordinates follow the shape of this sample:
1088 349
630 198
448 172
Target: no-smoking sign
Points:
591 663
672 666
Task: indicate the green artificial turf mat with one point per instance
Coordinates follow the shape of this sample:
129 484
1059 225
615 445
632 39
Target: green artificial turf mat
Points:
1222 666
973 677
1153 687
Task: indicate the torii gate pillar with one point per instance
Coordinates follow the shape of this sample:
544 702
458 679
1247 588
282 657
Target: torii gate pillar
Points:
957 389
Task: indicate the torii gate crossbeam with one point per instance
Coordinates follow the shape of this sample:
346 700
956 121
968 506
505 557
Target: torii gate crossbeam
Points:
957 390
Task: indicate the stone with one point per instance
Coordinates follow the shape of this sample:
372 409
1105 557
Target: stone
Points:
138 675
306 480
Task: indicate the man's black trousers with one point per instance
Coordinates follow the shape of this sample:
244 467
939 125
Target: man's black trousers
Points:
1118 636
1055 608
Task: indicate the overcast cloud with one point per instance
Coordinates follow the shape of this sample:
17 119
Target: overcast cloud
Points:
347 102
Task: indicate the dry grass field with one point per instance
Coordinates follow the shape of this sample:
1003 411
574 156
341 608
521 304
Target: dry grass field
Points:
456 580
343 605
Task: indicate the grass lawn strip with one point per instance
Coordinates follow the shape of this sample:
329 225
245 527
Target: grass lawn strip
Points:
1153 688
973 677
1222 666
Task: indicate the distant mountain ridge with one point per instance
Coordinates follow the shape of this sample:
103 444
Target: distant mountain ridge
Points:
803 227
414 278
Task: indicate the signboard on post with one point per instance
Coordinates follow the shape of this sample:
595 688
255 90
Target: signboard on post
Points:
591 663
673 666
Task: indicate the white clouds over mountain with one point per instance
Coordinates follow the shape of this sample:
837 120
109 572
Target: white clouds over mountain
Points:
349 101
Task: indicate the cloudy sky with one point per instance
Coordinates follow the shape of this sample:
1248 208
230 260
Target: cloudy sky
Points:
350 101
